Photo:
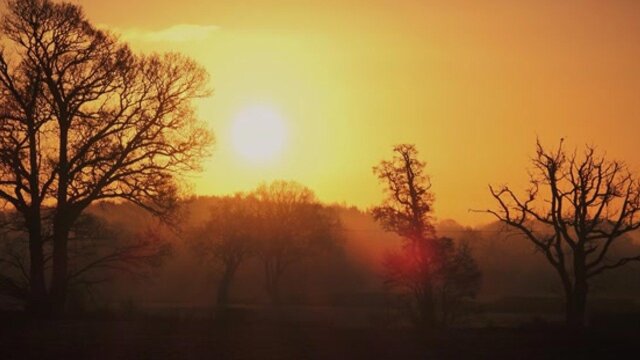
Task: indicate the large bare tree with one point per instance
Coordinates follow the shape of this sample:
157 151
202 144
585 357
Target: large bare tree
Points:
85 120
579 204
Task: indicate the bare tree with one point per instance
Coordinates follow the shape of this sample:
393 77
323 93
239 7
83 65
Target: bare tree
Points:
577 207
407 212
434 272
228 238
95 122
408 206
294 226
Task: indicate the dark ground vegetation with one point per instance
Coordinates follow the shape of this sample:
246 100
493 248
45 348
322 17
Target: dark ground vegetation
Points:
249 335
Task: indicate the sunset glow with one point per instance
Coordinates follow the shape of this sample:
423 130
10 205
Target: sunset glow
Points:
326 179
463 80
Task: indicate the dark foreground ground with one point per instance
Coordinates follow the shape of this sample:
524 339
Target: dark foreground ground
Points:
205 339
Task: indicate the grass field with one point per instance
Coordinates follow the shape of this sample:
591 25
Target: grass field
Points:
156 338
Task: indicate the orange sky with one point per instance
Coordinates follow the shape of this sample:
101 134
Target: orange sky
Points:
471 83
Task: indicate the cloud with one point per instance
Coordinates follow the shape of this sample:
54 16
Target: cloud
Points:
174 34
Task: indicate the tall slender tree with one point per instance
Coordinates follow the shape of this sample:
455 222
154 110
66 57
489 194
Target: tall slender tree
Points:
435 272
407 211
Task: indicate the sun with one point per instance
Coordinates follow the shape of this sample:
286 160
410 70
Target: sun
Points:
258 134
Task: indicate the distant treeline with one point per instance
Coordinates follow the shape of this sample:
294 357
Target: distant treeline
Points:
348 275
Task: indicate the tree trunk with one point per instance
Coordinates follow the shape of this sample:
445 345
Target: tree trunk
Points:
577 298
61 224
426 302
37 303
273 271
427 308
60 268
576 306
224 286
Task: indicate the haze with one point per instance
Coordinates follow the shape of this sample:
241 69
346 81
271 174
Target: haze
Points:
464 81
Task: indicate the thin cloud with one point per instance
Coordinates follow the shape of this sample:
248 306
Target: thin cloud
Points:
174 34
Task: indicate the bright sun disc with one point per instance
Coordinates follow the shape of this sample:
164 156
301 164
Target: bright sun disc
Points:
258 134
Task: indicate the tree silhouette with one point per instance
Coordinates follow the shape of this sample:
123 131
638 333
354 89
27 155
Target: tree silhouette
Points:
407 212
83 120
407 208
294 226
228 238
574 212
434 271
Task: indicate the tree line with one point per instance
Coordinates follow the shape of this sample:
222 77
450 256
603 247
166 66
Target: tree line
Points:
281 223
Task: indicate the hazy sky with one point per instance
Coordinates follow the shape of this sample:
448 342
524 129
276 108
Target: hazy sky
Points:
471 83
